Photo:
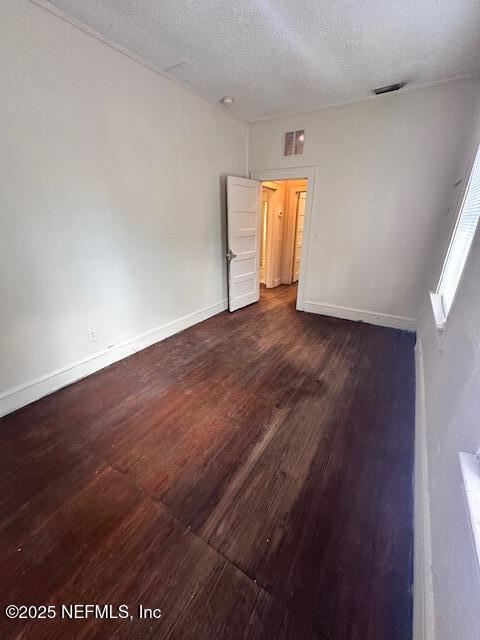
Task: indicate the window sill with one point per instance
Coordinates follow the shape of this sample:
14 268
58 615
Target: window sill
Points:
470 466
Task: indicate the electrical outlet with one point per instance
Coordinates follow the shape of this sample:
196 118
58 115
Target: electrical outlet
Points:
92 333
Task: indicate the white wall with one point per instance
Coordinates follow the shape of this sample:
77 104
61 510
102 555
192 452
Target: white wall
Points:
384 167
452 404
112 211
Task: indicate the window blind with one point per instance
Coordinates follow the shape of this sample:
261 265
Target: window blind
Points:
462 238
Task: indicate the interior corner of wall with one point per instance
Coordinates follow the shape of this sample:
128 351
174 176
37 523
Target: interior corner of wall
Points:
423 594
247 157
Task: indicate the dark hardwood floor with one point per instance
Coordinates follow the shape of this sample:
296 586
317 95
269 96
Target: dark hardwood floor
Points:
251 477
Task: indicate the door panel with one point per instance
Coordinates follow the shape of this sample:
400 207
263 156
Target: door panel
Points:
297 256
263 235
276 230
243 224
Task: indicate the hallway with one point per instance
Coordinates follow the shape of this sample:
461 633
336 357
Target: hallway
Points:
251 477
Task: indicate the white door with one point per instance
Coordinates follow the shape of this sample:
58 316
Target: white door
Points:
297 255
243 233
263 235
275 238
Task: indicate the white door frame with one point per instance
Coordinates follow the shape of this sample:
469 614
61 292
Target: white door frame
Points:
296 173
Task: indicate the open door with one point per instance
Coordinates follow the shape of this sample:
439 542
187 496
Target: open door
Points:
300 223
243 233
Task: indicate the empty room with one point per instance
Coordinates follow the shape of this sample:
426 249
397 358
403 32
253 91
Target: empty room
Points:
240 320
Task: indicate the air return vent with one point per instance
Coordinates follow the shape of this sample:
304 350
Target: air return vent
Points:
293 143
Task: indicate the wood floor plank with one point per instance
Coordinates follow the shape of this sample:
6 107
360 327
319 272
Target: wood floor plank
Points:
251 476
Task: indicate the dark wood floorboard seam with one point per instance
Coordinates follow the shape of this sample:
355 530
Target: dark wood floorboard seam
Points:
158 501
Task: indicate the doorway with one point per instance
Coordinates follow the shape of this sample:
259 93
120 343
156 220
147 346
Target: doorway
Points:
282 232
307 176
268 233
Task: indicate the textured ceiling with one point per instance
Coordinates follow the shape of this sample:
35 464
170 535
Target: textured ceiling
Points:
283 56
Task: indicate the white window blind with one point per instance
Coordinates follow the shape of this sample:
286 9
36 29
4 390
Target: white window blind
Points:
462 238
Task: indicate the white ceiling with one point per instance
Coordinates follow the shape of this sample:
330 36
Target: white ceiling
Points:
284 56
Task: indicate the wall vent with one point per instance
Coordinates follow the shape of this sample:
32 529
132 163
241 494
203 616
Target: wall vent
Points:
293 142
390 87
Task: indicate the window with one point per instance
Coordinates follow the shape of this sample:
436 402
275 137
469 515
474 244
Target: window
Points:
293 143
461 241
470 466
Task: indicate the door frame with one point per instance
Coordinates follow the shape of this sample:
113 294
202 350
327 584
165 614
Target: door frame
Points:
309 174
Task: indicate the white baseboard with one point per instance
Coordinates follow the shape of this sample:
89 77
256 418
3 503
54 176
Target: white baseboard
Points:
371 317
423 603
35 389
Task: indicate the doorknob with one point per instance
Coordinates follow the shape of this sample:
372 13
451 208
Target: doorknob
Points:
230 255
